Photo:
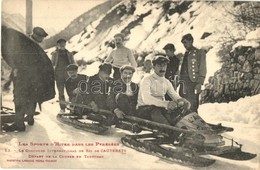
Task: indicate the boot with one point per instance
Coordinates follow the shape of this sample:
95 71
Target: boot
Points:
29 119
13 128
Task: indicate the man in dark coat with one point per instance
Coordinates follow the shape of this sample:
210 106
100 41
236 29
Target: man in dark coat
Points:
33 75
98 86
193 72
172 67
123 94
61 58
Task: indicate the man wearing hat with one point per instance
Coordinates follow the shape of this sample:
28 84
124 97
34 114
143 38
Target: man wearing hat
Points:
193 72
76 83
173 65
61 58
123 93
151 101
38 34
98 86
120 56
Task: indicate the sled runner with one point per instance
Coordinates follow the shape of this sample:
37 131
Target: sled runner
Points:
185 143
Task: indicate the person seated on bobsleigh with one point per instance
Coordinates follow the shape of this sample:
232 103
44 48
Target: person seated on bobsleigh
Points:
75 86
151 102
97 88
122 98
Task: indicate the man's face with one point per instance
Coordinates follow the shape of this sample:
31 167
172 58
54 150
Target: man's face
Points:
103 75
187 44
160 68
38 38
127 75
73 74
62 45
169 52
118 41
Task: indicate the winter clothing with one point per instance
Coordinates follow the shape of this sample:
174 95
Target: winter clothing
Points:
79 82
192 76
123 96
33 73
60 60
119 57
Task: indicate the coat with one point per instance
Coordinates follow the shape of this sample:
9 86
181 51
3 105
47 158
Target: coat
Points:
55 54
35 75
197 69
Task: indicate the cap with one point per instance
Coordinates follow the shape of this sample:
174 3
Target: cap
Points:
169 46
71 67
187 37
160 59
61 40
127 67
105 67
120 35
39 31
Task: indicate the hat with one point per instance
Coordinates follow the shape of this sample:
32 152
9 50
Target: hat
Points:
105 67
187 37
160 59
39 31
120 35
127 67
71 67
169 46
61 40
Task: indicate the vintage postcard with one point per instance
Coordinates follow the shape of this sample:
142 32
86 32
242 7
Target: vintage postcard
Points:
130 84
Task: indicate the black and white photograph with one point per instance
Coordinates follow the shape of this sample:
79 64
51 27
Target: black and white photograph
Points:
130 84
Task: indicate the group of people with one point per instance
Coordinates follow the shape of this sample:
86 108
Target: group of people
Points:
155 98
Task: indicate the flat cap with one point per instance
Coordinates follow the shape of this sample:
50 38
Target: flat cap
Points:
120 35
61 40
105 67
40 31
187 37
169 46
71 67
160 59
127 67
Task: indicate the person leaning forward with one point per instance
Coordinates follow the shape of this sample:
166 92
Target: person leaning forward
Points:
120 56
61 58
151 102
193 72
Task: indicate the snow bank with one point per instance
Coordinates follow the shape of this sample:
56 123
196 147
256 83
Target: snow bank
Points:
245 110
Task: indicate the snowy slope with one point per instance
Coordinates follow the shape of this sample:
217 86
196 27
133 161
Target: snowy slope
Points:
150 26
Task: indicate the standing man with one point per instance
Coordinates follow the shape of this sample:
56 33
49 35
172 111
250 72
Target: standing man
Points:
151 102
38 34
33 74
193 72
172 67
61 58
123 93
120 56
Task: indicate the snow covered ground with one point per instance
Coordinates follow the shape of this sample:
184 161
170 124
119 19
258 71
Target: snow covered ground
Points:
241 115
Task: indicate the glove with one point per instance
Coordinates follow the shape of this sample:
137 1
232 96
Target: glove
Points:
197 89
94 106
172 105
119 113
183 103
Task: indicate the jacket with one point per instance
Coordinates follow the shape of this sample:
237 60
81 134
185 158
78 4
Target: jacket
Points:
119 86
196 64
55 54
